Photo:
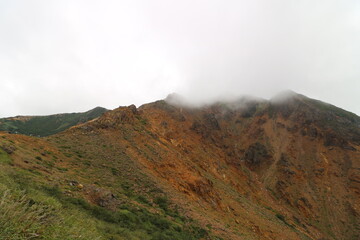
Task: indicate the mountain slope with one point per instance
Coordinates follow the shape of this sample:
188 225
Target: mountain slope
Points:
249 169
47 125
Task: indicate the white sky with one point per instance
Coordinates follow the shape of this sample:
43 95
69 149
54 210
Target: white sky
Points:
73 55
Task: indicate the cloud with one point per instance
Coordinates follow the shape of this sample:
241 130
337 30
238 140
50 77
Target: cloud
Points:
61 56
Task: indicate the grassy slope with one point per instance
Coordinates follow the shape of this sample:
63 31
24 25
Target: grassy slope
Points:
47 125
46 193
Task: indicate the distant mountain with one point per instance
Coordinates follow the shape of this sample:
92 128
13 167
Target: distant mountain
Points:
47 125
287 168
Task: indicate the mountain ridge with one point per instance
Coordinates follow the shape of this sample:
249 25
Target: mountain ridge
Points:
47 124
259 171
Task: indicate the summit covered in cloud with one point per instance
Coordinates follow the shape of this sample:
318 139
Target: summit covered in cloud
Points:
69 56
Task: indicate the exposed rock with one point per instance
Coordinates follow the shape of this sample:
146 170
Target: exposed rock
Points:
256 154
332 139
211 122
9 149
133 109
73 183
284 161
101 197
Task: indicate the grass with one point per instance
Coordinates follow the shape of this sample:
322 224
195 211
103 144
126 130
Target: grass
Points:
163 203
21 218
27 213
4 158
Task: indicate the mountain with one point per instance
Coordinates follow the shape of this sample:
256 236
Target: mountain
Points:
287 168
47 125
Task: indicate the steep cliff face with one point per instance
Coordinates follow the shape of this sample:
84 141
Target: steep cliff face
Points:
288 168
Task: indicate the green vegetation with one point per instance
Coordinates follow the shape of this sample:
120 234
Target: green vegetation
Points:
4 158
31 210
29 213
47 125
132 222
23 218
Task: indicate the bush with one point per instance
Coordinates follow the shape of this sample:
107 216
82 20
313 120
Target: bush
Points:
162 202
280 217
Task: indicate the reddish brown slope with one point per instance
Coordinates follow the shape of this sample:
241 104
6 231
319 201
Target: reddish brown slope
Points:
250 170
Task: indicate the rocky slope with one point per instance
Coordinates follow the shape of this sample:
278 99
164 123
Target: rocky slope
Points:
287 168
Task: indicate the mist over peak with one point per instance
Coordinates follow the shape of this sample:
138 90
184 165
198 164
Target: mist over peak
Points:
176 99
241 101
285 95
139 51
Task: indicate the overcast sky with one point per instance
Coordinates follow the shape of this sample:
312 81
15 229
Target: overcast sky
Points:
73 55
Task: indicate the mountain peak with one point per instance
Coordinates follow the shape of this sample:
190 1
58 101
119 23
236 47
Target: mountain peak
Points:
177 100
285 96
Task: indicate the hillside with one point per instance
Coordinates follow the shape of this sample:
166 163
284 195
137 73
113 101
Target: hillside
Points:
47 125
288 168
